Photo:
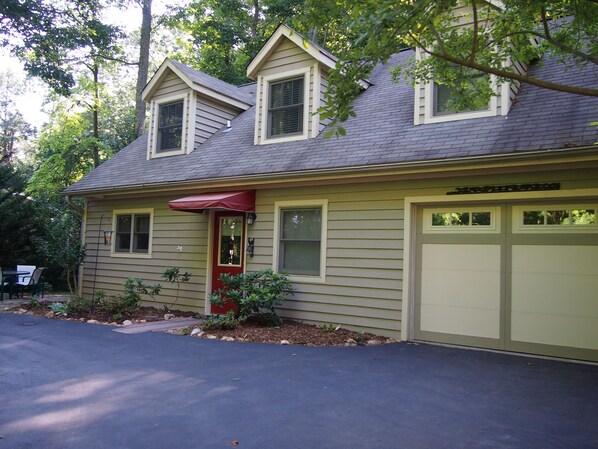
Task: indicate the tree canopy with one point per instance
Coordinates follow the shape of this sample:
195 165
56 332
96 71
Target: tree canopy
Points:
489 34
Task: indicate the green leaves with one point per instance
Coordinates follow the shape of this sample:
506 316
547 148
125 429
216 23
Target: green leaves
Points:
254 292
476 35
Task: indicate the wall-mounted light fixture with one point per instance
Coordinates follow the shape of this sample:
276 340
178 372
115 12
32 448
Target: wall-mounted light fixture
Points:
251 217
108 237
250 246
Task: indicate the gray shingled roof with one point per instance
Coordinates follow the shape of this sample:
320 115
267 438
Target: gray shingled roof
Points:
382 133
203 79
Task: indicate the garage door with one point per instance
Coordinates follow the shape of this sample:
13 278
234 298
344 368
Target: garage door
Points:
518 277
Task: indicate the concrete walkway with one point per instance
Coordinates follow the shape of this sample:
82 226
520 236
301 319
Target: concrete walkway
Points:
67 384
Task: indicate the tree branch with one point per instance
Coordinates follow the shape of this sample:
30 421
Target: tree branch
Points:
474 43
514 75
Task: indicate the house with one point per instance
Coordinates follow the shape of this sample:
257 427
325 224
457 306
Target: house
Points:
471 228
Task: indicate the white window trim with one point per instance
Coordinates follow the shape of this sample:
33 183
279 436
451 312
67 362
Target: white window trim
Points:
264 93
278 206
429 106
115 213
494 227
520 228
188 129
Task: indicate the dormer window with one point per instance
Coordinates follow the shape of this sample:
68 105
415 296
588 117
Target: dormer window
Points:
472 94
285 110
170 127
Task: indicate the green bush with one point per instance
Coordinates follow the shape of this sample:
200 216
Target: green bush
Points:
255 293
228 321
79 306
118 306
59 309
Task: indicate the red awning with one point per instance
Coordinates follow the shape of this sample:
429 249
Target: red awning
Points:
238 201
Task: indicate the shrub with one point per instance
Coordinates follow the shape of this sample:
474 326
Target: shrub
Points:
254 293
174 276
78 306
59 309
124 305
228 321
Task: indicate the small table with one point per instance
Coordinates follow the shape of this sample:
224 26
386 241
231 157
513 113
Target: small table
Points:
12 276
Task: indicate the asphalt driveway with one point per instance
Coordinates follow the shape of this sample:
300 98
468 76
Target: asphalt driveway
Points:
67 384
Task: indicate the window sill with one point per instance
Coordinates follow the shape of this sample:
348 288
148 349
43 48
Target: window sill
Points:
299 279
289 138
131 255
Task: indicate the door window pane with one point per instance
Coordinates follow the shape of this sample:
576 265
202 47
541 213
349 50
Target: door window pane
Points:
231 232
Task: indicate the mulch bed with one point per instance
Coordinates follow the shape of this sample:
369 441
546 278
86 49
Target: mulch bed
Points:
290 332
296 333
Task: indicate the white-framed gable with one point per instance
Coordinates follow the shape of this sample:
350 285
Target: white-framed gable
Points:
203 103
326 59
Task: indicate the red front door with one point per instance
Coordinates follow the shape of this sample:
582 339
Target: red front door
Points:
228 254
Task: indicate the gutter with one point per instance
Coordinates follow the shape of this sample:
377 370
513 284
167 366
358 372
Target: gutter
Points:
361 171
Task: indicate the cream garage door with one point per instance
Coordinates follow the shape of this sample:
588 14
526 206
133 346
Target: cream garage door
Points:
514 277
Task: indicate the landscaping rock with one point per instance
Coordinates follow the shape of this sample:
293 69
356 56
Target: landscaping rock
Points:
285 342
227 339
351 341
197 332
127 322
168 316
373 342
50 314
22 311
93 321
211 337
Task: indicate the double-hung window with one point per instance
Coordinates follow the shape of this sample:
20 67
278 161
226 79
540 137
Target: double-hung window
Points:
285 107
133 231
301 239
170 127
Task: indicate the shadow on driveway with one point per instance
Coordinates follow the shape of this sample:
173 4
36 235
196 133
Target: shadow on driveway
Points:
66 384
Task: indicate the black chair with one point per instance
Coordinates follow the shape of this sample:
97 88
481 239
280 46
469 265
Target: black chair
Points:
36 282
4 283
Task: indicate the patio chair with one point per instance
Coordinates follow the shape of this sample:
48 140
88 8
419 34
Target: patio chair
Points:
3 285
36 282
24 278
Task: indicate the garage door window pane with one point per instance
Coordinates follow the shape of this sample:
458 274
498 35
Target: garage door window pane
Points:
480 218
559 217
583 216
300 241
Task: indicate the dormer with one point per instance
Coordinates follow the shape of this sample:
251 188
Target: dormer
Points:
187 107
291 75
436 102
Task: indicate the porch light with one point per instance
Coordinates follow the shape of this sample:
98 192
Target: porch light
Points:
251 217
108 237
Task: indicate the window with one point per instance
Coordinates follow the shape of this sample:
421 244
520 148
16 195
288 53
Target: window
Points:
170 127
462 219
471 93
556 218
285 108
133 232
300 245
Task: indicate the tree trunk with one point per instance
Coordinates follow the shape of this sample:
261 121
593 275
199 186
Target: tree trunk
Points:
96 125
256 18
142 73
